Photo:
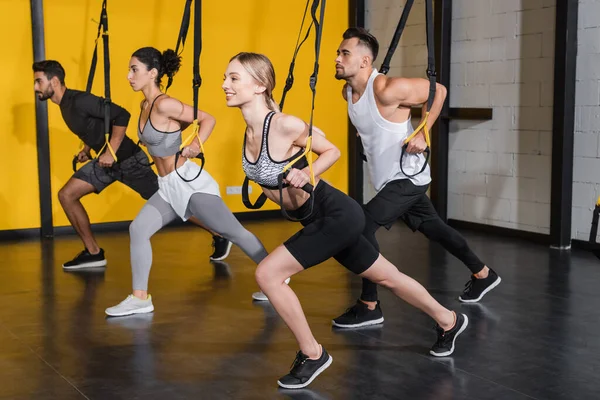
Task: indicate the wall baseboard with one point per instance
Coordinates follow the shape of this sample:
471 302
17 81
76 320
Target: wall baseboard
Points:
123 226
585 245
500 231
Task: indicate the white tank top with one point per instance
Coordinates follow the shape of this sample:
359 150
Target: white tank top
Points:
382 141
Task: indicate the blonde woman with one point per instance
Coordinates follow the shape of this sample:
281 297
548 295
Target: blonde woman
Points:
332 228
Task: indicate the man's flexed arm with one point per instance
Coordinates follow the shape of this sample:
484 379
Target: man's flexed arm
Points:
411 92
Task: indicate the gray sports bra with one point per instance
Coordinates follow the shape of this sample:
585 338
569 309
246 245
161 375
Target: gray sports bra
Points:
159 143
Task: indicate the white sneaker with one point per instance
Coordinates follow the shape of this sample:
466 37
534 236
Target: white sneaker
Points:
260 296
131 305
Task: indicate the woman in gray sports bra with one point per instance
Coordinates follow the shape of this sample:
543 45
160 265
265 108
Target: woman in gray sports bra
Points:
160 124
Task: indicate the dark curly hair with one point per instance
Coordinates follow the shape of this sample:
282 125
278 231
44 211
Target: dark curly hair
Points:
166 63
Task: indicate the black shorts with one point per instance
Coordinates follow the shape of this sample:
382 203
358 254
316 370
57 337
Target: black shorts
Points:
133 172
334 229
401 199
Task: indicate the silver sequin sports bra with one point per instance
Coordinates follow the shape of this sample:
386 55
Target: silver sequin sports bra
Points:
265 170
159 143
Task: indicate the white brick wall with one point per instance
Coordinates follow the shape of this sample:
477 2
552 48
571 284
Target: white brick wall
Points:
502 57
586 168
503 50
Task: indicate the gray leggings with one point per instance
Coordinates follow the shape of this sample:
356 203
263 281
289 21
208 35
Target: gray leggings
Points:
209 209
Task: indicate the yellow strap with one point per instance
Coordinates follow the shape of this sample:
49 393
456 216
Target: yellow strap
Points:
107 145
308 153
195 133
423 126
598 201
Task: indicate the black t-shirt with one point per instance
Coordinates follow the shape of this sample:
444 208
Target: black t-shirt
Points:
84 115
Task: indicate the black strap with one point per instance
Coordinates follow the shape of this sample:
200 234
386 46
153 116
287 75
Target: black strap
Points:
318 23
594 229
138 162
262 198
289 82
385 67
197 79
102 29
431 74
199 156
108 170
246 198
103 25
260 201
183 30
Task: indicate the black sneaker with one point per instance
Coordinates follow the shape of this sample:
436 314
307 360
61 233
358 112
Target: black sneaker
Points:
359 315
445 340
86 260
475 289
305 370
222 247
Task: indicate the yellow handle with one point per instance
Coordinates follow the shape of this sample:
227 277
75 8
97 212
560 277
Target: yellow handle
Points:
423 126
195 133
308 153
107 145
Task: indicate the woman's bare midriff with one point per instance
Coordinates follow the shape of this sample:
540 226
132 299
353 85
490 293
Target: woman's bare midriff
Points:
166 165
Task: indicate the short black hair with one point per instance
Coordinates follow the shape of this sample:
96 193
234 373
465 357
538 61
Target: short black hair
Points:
364 38
51 69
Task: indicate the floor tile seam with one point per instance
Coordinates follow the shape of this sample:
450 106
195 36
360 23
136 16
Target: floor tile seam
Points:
43 360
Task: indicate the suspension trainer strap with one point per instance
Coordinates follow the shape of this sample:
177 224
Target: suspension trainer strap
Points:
262 198
196 83
385 67
183 30
181 37
107 96
289 82
431 75
595 217
318 23
102 28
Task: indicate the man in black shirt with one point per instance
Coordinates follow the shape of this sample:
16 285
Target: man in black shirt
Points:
84 115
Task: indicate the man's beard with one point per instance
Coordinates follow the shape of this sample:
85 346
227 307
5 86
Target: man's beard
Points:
45 95
339 75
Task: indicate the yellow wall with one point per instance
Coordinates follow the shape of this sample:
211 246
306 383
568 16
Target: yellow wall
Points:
267 26
19 196
271 27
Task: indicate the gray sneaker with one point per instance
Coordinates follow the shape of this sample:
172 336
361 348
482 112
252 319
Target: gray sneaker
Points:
131 305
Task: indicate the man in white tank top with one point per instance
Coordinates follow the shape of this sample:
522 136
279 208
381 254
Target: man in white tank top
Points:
379 107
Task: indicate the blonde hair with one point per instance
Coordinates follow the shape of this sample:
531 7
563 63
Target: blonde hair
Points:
261 69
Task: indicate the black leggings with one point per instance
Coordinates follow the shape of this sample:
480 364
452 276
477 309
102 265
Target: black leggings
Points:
402 199
333 229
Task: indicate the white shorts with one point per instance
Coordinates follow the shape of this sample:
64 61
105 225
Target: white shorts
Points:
177 192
